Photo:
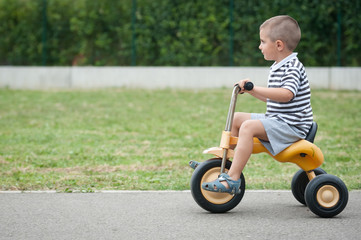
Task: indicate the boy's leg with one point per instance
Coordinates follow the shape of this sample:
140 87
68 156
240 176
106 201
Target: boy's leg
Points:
238 119
248 130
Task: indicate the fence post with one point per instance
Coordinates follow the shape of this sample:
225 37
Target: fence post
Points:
231 34
134 46
339 33
44 33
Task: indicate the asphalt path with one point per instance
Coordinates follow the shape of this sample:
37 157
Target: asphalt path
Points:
168 215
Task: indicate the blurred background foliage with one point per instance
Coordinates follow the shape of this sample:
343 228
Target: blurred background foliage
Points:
171 32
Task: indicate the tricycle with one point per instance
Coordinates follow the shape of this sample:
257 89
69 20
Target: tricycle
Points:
324 194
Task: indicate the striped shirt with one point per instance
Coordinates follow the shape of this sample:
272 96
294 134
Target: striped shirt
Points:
290 74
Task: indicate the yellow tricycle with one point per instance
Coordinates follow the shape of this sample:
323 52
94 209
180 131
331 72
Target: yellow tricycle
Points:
324 194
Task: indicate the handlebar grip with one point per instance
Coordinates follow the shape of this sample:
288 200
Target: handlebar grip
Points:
248 86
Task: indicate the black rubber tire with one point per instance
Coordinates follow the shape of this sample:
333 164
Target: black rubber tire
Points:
324 181
299 183
196 189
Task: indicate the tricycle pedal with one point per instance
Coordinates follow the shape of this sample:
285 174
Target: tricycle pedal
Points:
193 164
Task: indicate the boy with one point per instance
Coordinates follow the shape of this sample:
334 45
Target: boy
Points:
289 113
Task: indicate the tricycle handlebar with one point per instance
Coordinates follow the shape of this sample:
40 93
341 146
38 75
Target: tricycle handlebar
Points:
247 86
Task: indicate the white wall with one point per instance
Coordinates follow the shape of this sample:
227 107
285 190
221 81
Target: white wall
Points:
164 77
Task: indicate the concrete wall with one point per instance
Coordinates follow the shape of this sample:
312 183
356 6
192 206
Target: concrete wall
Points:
164 77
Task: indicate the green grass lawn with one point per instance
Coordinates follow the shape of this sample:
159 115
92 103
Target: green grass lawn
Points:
143 139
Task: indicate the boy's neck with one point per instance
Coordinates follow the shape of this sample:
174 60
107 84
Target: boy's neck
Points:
277 65
282 55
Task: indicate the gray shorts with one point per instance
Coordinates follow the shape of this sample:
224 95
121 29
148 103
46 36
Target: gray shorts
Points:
280 134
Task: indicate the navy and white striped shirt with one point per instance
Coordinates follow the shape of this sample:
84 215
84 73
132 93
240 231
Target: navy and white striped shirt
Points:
290 74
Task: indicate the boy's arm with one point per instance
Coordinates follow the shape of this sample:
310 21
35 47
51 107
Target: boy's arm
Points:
263 93
257 95
275 94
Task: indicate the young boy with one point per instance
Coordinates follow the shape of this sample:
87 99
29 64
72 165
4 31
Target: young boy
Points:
289 114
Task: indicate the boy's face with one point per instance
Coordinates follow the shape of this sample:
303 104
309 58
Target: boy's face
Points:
267 46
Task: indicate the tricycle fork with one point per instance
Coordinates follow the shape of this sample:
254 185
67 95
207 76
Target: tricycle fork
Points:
226 136
227 131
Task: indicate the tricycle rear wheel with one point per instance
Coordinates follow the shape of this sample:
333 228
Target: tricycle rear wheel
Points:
299 184
213 201
326 195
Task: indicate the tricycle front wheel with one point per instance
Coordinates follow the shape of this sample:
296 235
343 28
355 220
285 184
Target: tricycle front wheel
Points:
213 201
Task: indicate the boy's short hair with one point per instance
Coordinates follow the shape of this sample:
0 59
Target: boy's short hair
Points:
283 28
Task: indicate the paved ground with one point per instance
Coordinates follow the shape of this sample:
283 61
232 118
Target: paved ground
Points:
168 215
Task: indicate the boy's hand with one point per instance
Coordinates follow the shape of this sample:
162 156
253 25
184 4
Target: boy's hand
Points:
241 85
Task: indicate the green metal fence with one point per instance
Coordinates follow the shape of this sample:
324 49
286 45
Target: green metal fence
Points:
171 32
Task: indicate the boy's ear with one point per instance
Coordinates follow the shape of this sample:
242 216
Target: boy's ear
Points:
280 45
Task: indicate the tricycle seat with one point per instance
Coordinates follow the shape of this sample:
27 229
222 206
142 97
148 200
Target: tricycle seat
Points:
303 153
312 132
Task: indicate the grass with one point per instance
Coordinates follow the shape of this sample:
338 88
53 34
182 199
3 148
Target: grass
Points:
143 139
